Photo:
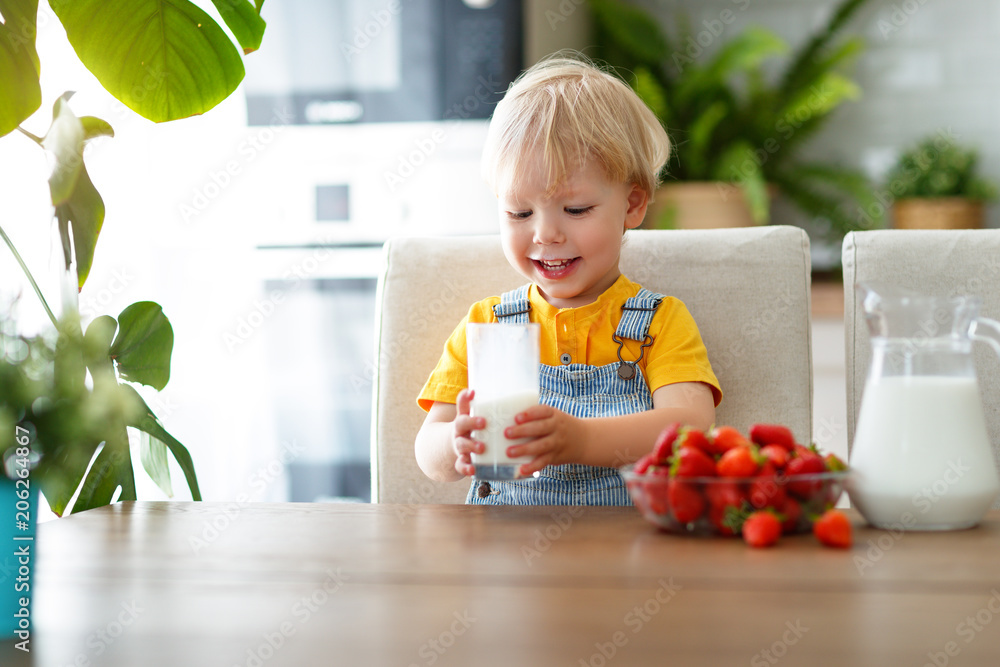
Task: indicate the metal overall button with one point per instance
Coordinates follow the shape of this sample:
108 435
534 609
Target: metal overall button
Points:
626 369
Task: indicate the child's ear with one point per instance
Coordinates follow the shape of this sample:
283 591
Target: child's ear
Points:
638 200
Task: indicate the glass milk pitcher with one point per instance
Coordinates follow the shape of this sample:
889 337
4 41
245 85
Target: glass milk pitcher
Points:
922 458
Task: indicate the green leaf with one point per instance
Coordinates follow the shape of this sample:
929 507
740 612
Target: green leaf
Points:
651 92
97 340
820 99
111 469
738 164
701 133
633 29
151 425
20 92
144 344
95 127
153 454
259 4
65 141
84 210
164 59
244 20
744 53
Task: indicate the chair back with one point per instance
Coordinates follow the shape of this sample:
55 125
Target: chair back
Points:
747 289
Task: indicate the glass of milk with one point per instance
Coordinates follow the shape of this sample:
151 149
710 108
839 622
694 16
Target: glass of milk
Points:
503 372
922 457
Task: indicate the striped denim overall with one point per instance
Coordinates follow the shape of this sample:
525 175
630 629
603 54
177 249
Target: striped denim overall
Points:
582 391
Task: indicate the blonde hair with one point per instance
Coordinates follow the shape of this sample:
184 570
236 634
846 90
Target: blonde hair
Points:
572 110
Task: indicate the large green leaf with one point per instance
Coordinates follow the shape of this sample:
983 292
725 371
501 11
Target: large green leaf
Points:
244 20
739 164
164 59
743 53
632 29
20 93
153 454
111 469
144 343
148 423
84 210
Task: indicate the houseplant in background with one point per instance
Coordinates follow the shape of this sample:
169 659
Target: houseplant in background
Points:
736 133
935 186
66 394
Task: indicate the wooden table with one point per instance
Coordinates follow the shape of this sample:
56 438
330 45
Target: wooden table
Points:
178 584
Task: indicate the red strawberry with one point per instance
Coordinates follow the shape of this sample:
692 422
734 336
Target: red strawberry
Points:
724 438
664 446
806 462
726 506
834 529
692 462
761 529
765 491
686 501
642 465
772 434
737 462
776 454
692 437
792 512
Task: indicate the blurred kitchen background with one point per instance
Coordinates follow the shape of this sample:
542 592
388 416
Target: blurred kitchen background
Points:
258 226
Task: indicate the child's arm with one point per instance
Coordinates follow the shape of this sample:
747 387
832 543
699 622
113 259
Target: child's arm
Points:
444 442
608 441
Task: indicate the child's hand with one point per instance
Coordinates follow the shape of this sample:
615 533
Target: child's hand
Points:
558 438
462 441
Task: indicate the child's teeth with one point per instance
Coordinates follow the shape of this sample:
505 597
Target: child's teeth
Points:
554 265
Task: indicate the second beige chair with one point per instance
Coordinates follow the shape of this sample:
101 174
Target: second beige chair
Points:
748 290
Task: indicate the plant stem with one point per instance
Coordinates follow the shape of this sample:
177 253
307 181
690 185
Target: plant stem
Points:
37 140
31 279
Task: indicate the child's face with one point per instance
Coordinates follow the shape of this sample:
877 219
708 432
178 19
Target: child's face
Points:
568 243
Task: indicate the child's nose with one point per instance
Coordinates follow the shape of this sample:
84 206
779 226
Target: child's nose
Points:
548 230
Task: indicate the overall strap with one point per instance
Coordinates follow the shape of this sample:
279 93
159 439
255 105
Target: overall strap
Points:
514 306
637 314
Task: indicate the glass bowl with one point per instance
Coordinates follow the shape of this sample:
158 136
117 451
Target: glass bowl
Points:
718 505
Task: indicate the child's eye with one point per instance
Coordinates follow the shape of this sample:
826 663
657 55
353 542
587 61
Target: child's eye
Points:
518 215
578 210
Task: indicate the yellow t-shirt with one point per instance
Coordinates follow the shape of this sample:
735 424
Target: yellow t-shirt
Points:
676 355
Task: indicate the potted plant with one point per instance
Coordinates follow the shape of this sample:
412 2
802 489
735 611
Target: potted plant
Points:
736 134
935 186
67 395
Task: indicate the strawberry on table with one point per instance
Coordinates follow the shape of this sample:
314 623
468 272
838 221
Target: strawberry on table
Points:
724 438
692 437
772 434
834 529
692 462
664 446
776 454
737 462
761 529
685 500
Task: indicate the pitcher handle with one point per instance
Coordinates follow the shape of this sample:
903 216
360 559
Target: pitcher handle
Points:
986 330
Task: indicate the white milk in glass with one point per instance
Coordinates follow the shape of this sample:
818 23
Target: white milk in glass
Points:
503 372
917 454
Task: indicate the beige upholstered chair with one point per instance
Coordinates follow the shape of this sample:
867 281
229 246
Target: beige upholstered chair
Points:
748 290
938 262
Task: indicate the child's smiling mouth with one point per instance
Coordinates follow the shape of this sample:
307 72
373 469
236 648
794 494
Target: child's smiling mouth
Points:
554 268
